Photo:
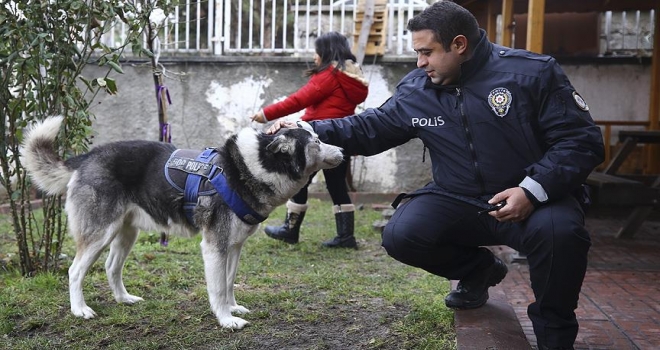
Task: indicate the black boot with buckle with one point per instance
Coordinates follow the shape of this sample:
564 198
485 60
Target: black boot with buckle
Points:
472 291
345 221
290 231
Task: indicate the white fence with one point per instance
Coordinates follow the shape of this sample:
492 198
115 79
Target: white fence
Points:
273 27
289 27
627 33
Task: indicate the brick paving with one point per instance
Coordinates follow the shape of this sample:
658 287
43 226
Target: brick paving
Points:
619 305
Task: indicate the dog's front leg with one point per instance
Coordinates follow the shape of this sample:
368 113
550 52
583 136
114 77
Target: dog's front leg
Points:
215 270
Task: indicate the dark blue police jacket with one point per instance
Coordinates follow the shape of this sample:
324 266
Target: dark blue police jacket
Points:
513 119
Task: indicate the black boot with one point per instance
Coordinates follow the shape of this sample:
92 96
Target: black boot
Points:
345 220
472 291
290 231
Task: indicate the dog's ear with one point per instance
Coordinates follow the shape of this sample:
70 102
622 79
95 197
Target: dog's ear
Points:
279 144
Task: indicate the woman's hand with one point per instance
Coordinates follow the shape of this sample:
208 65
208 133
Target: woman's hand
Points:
259 117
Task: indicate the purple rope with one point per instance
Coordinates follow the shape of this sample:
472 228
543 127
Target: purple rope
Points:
165 132
163 239
159 90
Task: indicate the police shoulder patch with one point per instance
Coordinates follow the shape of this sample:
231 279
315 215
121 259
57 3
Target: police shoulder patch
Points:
580 102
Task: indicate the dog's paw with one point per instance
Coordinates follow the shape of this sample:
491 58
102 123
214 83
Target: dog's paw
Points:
85 312
239 309
233 322
128 299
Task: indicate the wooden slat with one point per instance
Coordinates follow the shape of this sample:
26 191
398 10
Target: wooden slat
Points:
638 216
620 156
607 133
507 23
535 26
491 23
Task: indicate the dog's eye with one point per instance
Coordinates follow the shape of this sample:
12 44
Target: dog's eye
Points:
317 141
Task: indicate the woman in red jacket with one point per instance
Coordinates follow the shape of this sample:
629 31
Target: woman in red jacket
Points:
336 86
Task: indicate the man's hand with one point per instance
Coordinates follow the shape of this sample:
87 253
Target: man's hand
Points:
517 208
279 124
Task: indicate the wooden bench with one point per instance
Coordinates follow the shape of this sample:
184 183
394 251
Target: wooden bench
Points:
613 189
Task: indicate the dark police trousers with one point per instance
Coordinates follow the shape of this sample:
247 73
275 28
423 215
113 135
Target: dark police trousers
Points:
441 234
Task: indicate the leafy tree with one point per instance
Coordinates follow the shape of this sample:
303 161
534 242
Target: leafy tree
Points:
44 48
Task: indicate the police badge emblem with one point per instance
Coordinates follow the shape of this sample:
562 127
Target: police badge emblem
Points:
580 102
499 100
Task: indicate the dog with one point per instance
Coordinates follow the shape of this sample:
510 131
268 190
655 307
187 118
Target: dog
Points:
119 188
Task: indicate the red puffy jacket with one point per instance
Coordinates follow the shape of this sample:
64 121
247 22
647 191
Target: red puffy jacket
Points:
328 94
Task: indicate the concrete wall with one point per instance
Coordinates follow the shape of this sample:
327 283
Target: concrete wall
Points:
613 91
211 100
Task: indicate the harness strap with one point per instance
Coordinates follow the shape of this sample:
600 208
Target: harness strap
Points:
191 190
242 210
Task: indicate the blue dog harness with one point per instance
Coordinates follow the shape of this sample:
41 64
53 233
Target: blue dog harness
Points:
204 179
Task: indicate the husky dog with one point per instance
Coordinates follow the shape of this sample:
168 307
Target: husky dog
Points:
119 188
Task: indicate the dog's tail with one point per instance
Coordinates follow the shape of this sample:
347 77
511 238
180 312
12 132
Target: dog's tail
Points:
40 159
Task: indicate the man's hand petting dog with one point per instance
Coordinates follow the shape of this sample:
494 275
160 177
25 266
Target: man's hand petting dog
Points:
517 208
279 124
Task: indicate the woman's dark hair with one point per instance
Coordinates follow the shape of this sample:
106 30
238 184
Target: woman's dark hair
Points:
447 20
332 46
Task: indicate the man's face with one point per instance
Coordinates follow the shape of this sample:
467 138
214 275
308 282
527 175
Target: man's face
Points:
442 67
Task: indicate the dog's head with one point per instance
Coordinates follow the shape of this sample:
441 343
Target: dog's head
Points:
304 150
281 163
292 154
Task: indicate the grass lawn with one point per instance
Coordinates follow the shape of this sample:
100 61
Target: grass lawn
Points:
300 296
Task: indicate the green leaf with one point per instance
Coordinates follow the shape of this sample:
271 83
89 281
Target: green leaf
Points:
89 85
76 5
111 86
35 42
147 52
69 100
116 67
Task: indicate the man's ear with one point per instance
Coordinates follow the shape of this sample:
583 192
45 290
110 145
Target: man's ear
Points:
460 44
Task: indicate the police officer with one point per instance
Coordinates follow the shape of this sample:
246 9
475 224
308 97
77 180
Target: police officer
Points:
511 143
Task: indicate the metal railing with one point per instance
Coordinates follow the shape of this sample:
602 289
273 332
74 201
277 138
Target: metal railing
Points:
627 33
289 27
267 27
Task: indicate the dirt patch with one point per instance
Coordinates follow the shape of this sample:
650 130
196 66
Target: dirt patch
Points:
366 325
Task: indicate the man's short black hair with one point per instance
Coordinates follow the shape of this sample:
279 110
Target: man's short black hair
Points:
447 20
